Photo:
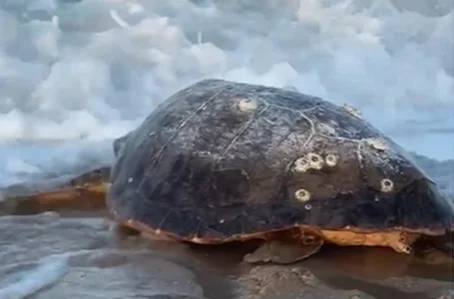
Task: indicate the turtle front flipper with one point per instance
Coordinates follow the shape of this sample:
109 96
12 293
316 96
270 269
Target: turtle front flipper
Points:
83 193
286 251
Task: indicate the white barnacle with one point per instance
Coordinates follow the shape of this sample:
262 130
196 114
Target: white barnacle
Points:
311 161
386 185
315 161
327 128
301 165
302 195
331 160
377 143
308 207
352 111
247 105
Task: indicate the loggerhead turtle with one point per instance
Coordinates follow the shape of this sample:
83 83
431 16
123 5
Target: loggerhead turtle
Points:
221 161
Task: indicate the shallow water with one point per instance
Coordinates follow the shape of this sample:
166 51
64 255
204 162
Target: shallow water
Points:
47 256
76 74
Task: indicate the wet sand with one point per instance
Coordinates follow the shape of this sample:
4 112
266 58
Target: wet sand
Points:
103 262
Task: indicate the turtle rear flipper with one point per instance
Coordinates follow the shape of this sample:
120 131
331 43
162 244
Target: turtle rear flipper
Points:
286 251
437 250
84 193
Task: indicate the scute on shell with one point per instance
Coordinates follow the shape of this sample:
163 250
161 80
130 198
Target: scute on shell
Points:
221 159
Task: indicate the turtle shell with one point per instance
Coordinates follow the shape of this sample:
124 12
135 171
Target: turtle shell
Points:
221 160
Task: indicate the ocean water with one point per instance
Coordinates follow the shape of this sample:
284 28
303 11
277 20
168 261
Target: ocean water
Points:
74 75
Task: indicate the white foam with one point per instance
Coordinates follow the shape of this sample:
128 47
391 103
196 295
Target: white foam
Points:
85 73
44 275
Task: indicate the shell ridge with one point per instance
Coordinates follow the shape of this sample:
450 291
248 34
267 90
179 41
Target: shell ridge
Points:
183 123
238 135
354 177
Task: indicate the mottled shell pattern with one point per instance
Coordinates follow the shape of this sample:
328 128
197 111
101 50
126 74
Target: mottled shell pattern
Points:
221 159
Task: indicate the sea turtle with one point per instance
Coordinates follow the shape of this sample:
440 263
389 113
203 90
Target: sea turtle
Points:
223 161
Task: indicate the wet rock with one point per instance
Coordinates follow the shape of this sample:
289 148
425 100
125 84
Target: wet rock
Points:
58 257
144 278
447 295
275 282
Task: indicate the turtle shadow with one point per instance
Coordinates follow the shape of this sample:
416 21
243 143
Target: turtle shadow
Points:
379 272
377 263
212 266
